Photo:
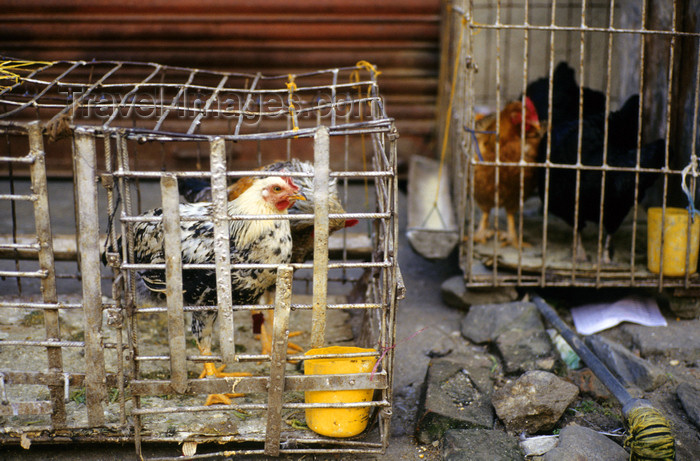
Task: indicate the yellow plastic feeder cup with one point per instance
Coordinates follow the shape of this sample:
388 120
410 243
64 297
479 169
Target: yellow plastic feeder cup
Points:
338 422
675 241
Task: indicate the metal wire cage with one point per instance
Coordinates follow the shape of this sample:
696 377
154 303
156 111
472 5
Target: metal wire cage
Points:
125 370
492 53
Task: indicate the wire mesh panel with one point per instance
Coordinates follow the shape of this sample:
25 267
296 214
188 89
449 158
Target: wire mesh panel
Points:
141 374
573 120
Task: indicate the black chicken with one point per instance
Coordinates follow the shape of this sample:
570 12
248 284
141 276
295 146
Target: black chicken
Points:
619 185
565 97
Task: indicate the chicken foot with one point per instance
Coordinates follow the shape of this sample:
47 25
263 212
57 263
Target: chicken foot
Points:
483 233
266 323
511 235
210 370
266 336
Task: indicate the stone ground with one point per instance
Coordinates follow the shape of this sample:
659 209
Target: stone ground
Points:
427 329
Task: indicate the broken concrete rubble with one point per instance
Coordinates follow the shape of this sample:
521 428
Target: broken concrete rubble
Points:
456 394
534 402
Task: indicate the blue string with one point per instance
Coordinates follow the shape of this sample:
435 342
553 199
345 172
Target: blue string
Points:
692 211
476 141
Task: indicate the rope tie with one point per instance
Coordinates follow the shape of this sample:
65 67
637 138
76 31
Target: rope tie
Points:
355 76
369 67
692 169
8 68
388 348
476 141
291 88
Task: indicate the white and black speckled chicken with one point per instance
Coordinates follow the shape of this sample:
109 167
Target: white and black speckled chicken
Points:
251 242
194 190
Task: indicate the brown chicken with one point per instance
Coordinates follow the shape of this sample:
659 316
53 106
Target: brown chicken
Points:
509 138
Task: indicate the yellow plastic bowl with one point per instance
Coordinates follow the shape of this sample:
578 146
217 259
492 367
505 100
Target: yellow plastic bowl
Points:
675 241
338 422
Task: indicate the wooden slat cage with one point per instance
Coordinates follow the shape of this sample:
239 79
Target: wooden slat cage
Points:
493 52
118 370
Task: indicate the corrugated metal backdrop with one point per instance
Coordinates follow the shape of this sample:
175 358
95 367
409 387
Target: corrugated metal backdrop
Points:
401 37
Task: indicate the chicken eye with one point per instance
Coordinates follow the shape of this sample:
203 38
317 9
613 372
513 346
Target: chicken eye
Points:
277 189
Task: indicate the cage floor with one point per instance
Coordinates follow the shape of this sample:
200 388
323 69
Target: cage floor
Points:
22 324
559 260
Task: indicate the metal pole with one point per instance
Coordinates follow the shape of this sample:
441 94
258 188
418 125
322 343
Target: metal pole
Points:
173 276
278 359
89 249
46 263
222 256
320 284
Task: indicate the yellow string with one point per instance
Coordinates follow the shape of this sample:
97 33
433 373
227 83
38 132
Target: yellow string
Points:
368 66
7 74
292 87
480 27
355 77
449 109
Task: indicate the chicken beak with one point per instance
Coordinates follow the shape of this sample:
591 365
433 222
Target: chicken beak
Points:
295 197
534 128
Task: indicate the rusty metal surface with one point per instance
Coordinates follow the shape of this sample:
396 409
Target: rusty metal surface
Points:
85 164
278 359
173 272
259 384
273 36
221 245
46 263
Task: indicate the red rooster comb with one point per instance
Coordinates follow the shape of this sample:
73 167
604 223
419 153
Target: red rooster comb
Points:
530 111
289 181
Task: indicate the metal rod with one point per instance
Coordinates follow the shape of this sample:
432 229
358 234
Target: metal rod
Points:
37 97
320 283
257 406
36 274
280 332
25 159
173 288
42 223
89 244
593 362
257 384
129 97
197 120
29 197
82 96
243 173
26 408
222 249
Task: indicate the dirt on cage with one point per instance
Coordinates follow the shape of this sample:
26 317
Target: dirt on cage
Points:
20 325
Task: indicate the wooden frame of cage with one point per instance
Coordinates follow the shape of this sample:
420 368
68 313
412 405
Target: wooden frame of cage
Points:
463 21
385 285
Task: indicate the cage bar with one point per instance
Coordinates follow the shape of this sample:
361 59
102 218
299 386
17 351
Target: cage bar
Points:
283 297
133 384
85 165
173 274
321 163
